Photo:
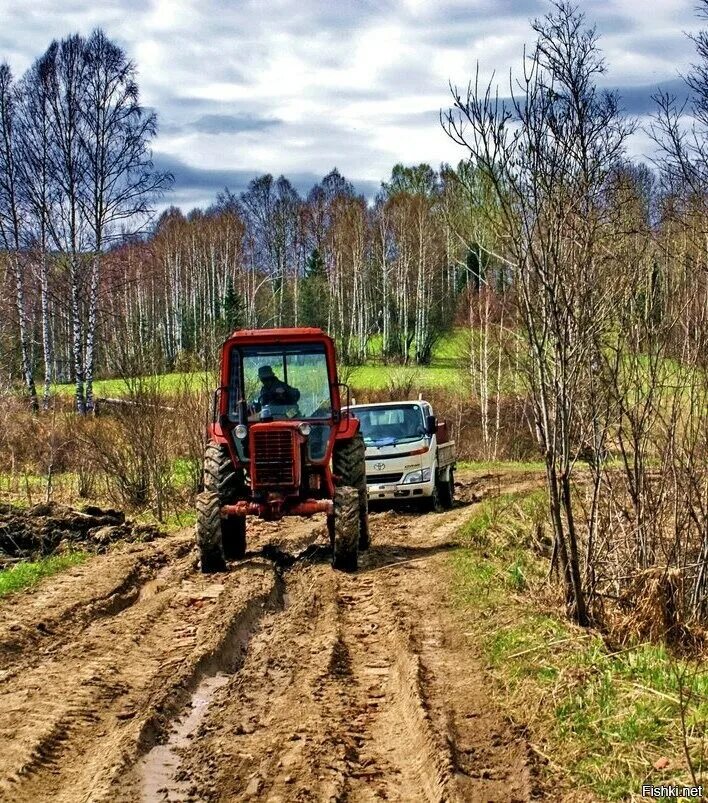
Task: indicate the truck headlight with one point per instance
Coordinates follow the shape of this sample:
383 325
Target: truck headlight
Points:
305 428
417 476
241 431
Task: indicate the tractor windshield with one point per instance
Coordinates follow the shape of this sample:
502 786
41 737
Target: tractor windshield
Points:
281 382
383 426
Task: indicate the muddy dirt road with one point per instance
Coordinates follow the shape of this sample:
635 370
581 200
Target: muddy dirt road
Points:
133 677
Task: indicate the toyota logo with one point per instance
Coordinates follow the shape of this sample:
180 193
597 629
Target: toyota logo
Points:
379 466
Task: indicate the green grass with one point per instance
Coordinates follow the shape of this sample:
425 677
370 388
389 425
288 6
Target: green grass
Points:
166 383
502 465
28 574
380 377
443 372
605 717
362 377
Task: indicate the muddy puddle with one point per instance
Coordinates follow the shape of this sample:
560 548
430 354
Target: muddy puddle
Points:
159 768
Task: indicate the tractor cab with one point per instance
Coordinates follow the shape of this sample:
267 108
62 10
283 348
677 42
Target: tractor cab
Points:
289 382
280 380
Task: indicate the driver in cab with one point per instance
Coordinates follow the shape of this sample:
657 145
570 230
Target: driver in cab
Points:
274 391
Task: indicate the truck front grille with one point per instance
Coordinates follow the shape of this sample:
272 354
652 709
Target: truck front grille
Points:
383 479
272 452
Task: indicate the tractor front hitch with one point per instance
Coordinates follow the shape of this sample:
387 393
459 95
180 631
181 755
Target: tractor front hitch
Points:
273 512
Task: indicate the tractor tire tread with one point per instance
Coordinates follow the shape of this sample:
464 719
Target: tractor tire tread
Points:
208 533
346 529
349 463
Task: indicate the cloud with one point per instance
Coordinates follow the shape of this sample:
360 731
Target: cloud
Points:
231 123
638 100
204 183
314 83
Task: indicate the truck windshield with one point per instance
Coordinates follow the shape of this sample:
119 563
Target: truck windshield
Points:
284 382
383 426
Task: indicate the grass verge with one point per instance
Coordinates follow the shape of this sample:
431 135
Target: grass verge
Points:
603 722
505 466
27 574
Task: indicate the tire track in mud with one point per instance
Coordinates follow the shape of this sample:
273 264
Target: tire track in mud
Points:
33 625
359 690
99 698
319 685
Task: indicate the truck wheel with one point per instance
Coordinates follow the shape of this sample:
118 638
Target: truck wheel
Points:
349 462
208 533
447 490
223 479
346 529
432 503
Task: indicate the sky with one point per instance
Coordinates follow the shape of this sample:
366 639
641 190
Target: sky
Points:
298 87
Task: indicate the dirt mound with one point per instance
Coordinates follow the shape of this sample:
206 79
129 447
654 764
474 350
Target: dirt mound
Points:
45 529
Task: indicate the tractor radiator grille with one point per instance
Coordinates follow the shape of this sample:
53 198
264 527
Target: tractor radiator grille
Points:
383 479
273 453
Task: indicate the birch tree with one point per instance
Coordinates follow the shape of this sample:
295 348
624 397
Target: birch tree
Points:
548 154
120 181
40 191
11 218
63 70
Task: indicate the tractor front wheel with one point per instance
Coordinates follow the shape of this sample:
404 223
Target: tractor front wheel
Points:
344 529
208 533
225 482
349 463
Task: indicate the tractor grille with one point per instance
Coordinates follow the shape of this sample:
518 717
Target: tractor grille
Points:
382 479
273 453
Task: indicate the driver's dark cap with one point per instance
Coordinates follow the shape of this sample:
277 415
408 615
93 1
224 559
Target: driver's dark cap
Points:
265 372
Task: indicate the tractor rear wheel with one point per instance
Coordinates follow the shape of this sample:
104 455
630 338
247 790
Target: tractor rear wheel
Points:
222 478
208 533
344 529
349 463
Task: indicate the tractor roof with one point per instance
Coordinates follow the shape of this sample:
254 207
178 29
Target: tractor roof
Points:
283 335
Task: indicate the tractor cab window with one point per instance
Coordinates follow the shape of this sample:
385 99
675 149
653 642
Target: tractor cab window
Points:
281 383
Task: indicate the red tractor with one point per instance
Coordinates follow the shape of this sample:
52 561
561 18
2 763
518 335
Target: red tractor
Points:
281 444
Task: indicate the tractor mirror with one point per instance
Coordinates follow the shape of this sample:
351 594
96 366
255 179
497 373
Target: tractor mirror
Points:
431 425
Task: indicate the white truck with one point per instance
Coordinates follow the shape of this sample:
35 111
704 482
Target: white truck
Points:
409 455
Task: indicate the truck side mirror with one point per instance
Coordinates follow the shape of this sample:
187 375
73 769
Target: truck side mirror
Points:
431 425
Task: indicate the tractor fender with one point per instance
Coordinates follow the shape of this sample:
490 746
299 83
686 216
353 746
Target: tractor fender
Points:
347 428
216 433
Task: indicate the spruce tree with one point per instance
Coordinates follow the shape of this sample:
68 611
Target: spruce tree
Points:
314 301
233 307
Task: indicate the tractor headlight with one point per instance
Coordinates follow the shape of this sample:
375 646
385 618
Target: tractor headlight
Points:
241 431
417 476
305 428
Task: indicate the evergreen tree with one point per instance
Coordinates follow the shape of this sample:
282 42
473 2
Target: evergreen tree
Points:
314 292
233 307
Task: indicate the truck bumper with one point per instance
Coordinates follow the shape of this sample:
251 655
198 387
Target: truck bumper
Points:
411 490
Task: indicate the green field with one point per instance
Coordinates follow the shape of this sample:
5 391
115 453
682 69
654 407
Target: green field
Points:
448 369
